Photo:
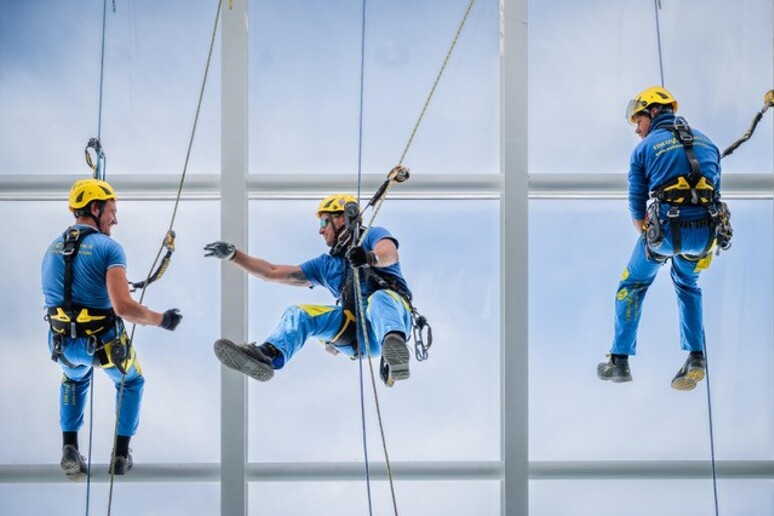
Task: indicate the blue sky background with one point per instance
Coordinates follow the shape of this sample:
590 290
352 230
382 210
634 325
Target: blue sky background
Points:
586 59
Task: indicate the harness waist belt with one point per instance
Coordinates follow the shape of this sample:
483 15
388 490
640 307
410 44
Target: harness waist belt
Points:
687 190
81 322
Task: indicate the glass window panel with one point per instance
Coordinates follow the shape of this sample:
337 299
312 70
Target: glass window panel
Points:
587 59
154 62
305 92
310 411
577 252
129 499
350 498
647 497
182 375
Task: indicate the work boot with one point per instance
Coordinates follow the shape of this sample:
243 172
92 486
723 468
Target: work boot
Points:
691 373
122 464
616 369
394 364
73 463
246 358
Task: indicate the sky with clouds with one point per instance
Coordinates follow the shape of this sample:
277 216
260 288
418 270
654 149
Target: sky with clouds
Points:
586 59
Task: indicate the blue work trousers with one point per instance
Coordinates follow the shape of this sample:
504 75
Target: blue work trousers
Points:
639 275
76 381
385 311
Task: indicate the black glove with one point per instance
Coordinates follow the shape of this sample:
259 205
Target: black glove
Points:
222 250
359 257
171 319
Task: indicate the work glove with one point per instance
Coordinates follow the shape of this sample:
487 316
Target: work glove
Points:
222 250
171 319
359 257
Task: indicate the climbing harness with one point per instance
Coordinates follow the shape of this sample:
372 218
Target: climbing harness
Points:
75 321
376 279
691 189
768 101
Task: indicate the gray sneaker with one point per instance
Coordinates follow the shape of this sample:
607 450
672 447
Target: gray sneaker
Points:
122 465
73 463
395 359
245 358
690 374
616 369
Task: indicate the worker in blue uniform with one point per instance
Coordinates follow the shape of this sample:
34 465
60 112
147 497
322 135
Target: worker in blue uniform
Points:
385 295
87 300
678 167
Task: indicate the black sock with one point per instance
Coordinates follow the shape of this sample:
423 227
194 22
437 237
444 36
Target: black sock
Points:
70 438
697 354
617 359
122 445
269 350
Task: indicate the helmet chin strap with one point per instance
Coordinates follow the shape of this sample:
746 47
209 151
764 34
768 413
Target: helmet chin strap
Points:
98 217
339 243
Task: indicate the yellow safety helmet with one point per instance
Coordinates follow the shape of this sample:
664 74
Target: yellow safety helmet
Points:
652 95
335 203
87 190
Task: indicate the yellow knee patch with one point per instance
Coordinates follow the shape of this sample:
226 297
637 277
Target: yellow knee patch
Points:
394 295
315 310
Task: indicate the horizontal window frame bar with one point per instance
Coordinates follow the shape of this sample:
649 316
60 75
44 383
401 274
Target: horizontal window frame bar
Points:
15 187
408 471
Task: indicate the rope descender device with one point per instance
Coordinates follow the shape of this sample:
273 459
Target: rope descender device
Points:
169 244
768 101
97 164
398 174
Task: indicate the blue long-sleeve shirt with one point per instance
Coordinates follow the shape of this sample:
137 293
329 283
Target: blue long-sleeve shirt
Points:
660 158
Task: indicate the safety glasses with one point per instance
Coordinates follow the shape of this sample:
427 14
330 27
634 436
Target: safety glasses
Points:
325 221
634 107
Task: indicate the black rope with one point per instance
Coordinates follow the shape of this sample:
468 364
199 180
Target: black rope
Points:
356 225
657 6
768 101
711 429
99 173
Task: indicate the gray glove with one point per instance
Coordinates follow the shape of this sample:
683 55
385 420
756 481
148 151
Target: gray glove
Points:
222 250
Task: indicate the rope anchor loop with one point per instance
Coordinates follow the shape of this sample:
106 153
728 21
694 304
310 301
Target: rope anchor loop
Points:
97 162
